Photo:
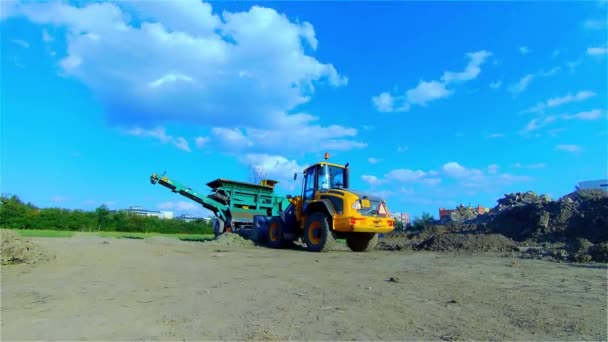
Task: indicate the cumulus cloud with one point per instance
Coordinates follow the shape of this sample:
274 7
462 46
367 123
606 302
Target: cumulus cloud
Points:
297 132
373 160
428 91
161 134
588 115
595 24
201 141
371 180
530 166
21 43
536 124
182 62
597 51
275 167
496 85
452 177
558 101
569 148
525 81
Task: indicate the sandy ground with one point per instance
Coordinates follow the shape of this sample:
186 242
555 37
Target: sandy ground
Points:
166 289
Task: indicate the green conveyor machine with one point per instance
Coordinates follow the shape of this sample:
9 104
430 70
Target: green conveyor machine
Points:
234 203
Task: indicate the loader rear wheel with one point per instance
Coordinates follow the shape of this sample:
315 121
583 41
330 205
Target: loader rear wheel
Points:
274 236
362 242
318 235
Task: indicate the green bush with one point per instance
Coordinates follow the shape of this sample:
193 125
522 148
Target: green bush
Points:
15 214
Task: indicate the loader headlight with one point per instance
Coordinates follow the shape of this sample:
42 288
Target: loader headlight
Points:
357 205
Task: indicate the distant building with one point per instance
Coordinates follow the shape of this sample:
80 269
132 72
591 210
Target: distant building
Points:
601 184
446 212
403 217
135 210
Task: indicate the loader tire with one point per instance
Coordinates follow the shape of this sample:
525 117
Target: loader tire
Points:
318 235
362 242
274 234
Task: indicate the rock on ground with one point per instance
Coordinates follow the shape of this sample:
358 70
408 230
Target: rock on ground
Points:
17 250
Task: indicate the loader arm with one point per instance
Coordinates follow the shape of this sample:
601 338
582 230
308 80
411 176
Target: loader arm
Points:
219 209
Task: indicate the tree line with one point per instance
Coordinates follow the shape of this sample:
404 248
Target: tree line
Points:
16 214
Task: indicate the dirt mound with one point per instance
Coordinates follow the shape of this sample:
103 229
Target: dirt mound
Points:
231 239
440 239
17 250
469 242
582 214
573 228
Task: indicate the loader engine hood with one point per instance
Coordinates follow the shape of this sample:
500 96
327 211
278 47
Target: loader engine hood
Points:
373 199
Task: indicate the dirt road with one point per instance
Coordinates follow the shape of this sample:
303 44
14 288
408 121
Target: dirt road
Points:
164 289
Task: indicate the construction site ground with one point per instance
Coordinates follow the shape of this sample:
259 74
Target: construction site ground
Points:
165 289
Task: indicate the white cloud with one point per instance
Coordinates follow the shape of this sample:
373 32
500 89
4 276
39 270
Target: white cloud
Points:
371 180
595 24
589 115
496 85
233 138
402 148
597 51
373 160
21 43
160 134
496 135
385 102
569 148
169 78
493 168
530 166
454 169
472 70
46 36
59 198
558 101
522 84
536 124
179 61
405 175
201 141
524 50
297 132
572 65
275 167
525 81
428 91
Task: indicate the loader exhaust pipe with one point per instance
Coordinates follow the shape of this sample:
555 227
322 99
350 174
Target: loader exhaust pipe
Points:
346 176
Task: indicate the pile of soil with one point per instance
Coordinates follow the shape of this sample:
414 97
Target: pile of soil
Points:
572 228
231 239
18 250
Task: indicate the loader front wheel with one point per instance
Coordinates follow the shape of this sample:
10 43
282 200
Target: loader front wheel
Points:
274 236
362 242
318 235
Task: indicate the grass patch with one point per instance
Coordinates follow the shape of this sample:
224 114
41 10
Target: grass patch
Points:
118 235
43 233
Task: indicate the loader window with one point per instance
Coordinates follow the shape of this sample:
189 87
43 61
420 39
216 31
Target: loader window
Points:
309 185
331 177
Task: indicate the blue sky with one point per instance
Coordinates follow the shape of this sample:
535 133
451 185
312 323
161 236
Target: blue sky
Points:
433 104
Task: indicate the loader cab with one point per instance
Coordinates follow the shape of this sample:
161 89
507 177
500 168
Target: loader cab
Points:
323 176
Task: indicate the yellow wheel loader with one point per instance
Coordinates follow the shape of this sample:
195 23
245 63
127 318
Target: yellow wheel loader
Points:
328 209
